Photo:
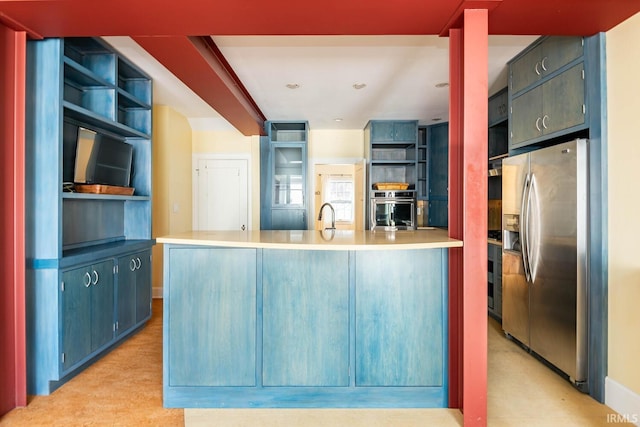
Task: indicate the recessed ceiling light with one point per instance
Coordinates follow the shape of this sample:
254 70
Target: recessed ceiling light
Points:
293 85
338 119
443 84
436 119
359 85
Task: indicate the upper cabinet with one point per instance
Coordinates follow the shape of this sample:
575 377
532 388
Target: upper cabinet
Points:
393 131
283 176
547 92
543 59
391 150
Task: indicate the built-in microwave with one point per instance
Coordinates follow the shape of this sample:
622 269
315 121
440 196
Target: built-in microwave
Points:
392 210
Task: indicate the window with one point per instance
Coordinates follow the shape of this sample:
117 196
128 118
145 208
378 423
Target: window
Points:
339 191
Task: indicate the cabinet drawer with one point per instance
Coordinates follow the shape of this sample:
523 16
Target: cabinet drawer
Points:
542 60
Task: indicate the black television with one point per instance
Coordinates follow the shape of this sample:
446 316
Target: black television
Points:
101 159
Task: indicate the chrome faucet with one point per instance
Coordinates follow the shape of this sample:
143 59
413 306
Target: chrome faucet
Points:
333 216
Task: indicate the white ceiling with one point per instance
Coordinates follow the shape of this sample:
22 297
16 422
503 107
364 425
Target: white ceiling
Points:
400 73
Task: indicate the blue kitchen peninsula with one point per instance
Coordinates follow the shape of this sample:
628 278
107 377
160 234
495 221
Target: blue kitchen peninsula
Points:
305 319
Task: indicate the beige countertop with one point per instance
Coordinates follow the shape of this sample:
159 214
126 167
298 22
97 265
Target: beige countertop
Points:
316 240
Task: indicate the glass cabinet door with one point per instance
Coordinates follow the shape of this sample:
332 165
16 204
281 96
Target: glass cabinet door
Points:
288 176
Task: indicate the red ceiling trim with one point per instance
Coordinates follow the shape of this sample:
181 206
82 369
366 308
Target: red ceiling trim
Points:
9 22
456 20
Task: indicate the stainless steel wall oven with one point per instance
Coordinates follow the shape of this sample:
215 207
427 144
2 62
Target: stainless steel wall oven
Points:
392 210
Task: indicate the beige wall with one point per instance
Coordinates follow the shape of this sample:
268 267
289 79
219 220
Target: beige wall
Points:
336 144
623 83
171 180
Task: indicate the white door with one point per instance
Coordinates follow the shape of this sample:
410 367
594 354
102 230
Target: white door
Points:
221 195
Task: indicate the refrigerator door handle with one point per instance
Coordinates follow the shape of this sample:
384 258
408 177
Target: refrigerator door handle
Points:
533 229
524 224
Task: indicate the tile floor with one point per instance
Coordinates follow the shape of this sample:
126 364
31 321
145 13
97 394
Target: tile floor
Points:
125 389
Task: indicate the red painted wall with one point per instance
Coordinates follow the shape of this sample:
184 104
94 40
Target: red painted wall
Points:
13 390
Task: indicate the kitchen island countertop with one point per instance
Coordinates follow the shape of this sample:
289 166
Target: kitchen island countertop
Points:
318 240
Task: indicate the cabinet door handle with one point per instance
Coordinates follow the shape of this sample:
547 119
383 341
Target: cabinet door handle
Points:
87 279
542 64
132 264
544 121
537 69
139 263
538 124
95 277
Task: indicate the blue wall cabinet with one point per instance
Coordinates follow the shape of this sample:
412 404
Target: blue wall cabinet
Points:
542 59
422 159
73 83
390 148
391 153
547 93
438 175
306 318
283 176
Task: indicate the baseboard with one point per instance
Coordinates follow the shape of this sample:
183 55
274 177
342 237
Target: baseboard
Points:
156 292
622 400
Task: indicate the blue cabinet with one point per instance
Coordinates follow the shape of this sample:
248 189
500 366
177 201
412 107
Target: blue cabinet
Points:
547 92
133 290
210 306
494 280
438 175
306 318
398 318
390 148
77 83
87 311
283 176
251 327
542 59
393 130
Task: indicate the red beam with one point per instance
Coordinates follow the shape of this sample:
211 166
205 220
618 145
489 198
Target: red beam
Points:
13 371
200 65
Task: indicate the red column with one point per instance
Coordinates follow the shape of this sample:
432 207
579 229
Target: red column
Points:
13 388
468 216
456 208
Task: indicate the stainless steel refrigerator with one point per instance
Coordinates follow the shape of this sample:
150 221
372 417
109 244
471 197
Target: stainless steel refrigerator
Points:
545 254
